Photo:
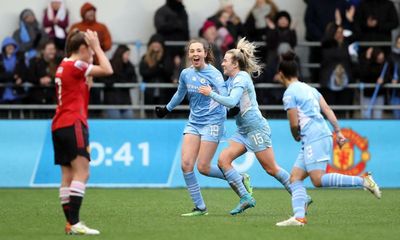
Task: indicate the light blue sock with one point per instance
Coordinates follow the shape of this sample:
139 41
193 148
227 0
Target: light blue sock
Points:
194 190
299 198
216 172
284 177
340 180
236 182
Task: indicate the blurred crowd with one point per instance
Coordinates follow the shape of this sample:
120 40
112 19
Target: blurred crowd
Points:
30 55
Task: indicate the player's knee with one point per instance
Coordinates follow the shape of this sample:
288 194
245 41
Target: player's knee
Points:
271 171
186 166
224 161
316 182
203 169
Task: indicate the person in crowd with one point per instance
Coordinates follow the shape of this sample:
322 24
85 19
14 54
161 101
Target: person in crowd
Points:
336 67
304 104
256 24
42 72
225 39
13 72
233 22
55 22
172 23
374 69
374 21
124 72
89 21
156 68
29 35
317 16
256 20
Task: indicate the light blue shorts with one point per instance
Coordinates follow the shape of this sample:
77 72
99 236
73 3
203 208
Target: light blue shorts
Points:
315 155
210 133
256 140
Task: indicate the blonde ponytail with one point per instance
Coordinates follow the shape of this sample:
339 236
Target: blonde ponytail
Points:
244 54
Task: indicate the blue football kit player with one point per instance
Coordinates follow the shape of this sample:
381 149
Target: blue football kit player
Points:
303 104
205 127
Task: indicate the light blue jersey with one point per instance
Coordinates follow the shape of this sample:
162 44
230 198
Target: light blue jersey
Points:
306 100
242 93
203 110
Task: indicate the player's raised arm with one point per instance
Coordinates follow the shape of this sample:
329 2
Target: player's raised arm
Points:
104 68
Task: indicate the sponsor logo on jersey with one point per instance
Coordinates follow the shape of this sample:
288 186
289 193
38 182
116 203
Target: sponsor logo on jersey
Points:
345 160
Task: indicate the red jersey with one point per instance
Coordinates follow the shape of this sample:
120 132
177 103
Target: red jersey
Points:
72 93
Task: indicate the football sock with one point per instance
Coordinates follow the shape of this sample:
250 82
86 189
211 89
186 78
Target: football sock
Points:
299 198
340 180
236 181
216 172
284 177
194 190
77 191
64 199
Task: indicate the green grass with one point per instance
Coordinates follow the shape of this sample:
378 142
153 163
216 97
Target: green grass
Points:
155 214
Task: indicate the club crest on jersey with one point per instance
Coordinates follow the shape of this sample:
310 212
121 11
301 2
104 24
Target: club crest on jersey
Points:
344 158
203 81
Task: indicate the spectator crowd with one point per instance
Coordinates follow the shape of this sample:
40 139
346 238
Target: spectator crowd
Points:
30 55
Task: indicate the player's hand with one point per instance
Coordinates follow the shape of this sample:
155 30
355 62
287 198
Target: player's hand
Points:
161 111
92 39
340 139
232 112
205 90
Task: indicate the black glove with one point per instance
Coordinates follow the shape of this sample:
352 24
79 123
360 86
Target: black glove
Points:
161 111
233 112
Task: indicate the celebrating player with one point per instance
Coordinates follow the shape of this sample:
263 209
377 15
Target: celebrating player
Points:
254 133
69 126
206 121
303 105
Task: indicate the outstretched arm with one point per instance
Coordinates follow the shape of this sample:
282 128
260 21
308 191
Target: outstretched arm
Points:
229 101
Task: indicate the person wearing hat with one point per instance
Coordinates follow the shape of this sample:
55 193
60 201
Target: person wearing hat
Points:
88 14
29 35
155 67
55 22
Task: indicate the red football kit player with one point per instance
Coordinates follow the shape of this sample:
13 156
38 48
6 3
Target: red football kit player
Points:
69 127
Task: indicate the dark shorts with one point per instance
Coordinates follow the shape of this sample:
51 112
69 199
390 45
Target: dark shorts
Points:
69 142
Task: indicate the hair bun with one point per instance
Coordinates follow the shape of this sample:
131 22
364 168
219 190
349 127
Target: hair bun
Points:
288 56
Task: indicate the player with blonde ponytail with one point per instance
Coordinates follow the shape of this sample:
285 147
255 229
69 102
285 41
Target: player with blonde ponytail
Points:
253 133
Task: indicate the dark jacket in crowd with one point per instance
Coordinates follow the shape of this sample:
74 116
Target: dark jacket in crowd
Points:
384 12
39 68
334 54
370 71
160 73
319 14
171 21
119 96
280 35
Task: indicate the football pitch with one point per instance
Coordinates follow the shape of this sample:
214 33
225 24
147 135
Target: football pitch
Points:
155 214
